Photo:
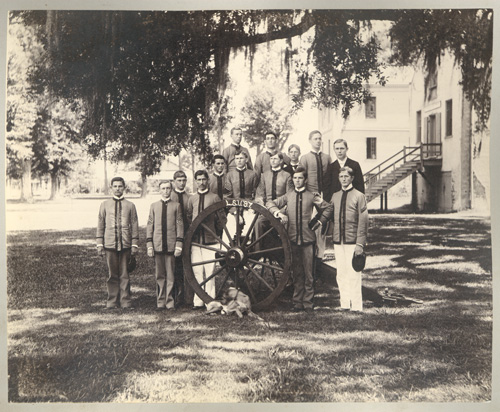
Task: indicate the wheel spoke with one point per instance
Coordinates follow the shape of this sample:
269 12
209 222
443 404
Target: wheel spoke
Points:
215 236
260 278
238 226
219 290
247 236
204 262
213 275
259 252
267 265
259 238
249 286
222 252
226 231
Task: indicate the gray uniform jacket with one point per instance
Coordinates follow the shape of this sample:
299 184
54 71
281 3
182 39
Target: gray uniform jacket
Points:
350 217
165 233
117 225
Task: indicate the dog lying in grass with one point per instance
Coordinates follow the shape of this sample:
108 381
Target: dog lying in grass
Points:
235 302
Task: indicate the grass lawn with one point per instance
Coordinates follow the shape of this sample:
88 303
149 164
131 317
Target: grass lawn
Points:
63 347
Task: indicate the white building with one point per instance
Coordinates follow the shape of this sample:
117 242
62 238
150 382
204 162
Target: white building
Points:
374 130
440 114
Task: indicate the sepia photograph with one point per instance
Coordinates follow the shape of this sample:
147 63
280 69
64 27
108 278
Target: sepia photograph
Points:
239 204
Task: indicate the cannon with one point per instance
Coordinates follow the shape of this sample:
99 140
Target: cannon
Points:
259 262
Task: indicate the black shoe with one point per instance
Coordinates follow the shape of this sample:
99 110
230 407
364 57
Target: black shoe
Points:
309 310
111 307
198 307
297 309
128 307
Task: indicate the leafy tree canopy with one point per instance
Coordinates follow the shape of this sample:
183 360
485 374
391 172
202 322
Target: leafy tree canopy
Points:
160 76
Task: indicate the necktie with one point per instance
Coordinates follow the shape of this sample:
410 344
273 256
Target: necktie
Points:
118 225
164 226
273 185
201 206
242 183
319 165
343 203
181 204
219 186
298 218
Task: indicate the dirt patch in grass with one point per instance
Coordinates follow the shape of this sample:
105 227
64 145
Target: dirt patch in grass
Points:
63 347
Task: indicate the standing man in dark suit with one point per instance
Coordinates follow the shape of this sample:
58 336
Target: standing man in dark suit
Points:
294 155
332 183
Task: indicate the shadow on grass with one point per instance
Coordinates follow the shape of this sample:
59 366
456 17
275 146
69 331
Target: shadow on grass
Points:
64 348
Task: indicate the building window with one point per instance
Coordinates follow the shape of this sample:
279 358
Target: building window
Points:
371 108
432 85
449 118
371 147
419 127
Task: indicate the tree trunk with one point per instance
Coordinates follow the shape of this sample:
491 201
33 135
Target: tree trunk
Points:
144 180
26 192
54 186
106 184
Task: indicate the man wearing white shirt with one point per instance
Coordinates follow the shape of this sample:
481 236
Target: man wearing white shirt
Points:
332 183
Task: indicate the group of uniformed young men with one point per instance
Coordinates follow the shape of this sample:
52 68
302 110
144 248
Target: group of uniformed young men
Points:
307 193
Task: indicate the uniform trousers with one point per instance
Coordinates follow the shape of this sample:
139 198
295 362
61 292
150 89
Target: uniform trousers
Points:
320 241
183 292
201 272
118 282
348 280
302 272
165 268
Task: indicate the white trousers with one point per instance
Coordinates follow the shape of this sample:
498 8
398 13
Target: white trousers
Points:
348 280
201 272
231 224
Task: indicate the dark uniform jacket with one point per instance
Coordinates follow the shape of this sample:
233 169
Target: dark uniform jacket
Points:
332 183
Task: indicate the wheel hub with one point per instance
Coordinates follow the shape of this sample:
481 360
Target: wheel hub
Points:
235 257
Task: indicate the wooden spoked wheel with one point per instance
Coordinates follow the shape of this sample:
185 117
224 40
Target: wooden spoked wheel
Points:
253 255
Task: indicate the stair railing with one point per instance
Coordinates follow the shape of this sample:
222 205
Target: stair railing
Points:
415 152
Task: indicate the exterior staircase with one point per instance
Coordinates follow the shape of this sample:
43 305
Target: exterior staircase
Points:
398 167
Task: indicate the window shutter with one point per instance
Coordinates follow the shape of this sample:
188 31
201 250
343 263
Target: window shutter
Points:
438 128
